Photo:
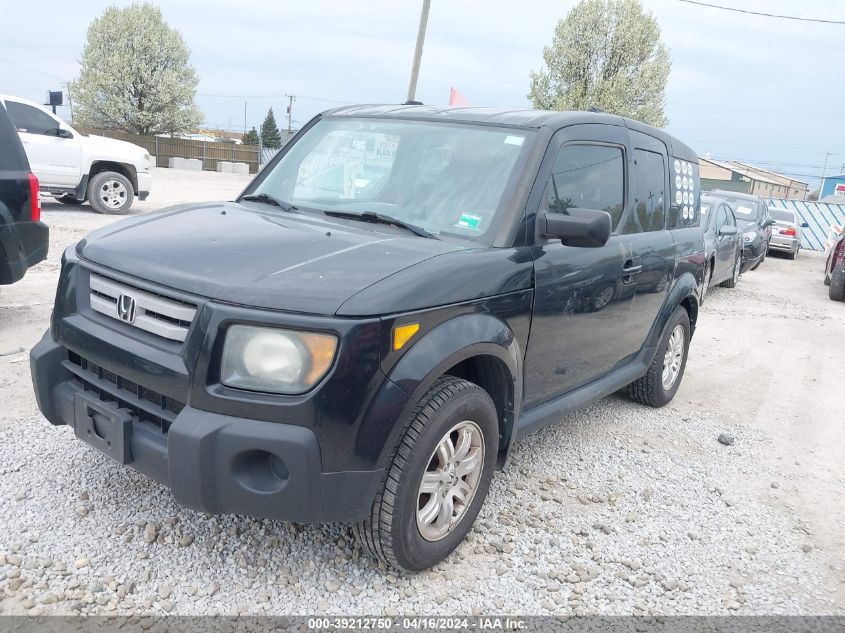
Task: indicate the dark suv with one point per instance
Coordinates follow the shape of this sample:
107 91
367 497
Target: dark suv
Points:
23 237
395 299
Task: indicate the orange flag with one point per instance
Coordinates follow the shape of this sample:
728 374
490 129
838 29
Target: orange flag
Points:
457 99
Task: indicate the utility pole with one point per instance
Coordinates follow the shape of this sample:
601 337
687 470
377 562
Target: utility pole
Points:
291 99
824 171
244 118
415 67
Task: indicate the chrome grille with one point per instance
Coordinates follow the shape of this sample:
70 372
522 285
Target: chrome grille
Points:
152 312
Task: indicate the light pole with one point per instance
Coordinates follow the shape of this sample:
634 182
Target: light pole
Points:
415 67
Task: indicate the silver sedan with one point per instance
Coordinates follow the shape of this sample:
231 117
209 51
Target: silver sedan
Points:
786 231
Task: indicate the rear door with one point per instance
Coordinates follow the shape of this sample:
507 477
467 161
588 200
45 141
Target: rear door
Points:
649 244
55 160
583 296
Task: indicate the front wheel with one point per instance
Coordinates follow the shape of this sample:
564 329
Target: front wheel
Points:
837 283
731 283
438 479
110 192
660 383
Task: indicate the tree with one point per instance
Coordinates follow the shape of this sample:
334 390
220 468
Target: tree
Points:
270 136
607 54
251 137
135 74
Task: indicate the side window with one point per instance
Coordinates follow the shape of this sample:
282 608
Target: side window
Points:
650 185
721 218
588 177
29 119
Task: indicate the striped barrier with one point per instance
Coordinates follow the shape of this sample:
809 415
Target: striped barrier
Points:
825 220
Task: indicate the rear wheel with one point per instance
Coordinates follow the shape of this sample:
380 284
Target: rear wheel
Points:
660 383
110 192
791 254
438 479
731 283
837 283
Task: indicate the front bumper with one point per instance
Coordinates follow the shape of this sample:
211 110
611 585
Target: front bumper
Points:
751 254
145 185
22 246
211 462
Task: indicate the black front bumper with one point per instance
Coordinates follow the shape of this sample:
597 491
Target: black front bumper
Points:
751 254
211 462
22 246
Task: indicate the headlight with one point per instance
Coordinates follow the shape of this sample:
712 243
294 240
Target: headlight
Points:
147 162
275 360
749 236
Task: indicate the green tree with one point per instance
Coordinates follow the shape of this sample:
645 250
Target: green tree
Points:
270 136
607 54
251 137
135 74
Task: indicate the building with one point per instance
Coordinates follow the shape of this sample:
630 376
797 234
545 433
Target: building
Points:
744 178
833 189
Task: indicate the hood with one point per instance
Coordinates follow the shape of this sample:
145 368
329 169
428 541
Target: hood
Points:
249 255
746 225
113 147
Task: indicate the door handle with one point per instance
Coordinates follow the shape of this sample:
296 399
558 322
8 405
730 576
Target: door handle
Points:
632 270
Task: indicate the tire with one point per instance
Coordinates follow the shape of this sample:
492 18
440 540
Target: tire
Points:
110 193
70 200
705 284
392 532
791 255
734 278
651 389
837 283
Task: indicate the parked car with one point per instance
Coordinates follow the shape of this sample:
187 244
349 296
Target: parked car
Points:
369 353
722 244
786 231
752 216
834 269
75 167
24 239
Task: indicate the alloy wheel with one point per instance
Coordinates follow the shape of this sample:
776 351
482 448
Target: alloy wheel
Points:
674 357
450 481
113 194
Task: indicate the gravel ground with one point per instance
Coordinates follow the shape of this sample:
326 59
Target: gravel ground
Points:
619 509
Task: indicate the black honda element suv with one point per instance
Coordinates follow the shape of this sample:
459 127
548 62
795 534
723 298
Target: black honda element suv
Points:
362 335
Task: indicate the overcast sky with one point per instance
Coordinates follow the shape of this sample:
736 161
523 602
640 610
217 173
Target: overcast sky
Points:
744 87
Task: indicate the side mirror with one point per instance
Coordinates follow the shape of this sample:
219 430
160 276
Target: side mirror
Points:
588 228
804 225
727 229
768 222
63 133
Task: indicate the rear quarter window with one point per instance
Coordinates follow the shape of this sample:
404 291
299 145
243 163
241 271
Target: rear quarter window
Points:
685 194
12 156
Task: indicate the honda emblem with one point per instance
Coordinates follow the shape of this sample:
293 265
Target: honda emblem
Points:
126 308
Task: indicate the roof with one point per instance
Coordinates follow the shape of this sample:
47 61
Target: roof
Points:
767 171
720 193
739 169
517 117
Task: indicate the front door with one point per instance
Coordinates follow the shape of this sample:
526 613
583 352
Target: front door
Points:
583 296
54 159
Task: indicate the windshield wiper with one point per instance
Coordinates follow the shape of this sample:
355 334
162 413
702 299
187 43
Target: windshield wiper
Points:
268 199
381 218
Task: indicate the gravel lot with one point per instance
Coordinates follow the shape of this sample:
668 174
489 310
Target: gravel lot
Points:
619 509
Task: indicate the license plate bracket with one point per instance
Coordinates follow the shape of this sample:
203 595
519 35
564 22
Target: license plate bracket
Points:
103 426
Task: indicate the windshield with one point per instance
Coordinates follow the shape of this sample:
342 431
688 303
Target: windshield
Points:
743 209
448 179
783 216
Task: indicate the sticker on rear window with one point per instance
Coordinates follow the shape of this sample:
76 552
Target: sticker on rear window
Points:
467 221
514 140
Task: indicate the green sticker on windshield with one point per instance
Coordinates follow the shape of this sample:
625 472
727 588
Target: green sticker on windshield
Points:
467 221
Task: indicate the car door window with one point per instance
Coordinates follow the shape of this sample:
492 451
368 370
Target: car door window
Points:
30 120
650 177
588 177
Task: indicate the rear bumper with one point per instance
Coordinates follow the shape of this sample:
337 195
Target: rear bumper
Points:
786 244
211 462
21 246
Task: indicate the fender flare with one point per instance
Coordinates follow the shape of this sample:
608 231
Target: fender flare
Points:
439 349
685 287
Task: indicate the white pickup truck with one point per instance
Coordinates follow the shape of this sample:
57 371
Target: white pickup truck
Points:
75 167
